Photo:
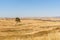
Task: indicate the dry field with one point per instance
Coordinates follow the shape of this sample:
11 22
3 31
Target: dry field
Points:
29 29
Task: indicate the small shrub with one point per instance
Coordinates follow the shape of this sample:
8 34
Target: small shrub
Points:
17 19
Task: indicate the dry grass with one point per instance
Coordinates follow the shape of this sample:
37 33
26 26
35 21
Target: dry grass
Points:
29 30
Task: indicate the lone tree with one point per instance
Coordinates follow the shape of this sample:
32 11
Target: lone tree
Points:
17 20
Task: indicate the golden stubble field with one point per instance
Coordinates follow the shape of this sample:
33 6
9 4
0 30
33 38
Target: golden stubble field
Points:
29 29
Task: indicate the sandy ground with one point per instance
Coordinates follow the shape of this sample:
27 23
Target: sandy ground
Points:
29 30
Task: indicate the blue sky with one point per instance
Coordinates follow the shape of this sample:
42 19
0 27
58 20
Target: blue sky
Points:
29 8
